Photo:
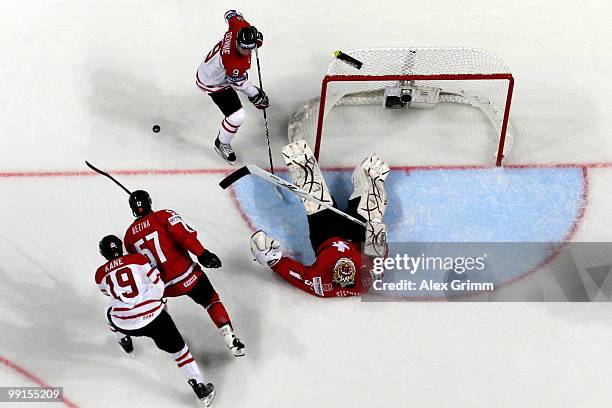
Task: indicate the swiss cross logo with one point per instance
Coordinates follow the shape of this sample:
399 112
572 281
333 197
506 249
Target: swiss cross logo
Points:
341 245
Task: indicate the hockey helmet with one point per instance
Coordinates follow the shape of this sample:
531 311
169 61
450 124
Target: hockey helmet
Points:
111 247
247 37
140 203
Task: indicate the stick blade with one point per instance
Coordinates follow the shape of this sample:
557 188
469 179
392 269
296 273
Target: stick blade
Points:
234 177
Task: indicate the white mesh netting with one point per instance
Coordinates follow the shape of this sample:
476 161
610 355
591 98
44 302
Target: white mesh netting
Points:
459 71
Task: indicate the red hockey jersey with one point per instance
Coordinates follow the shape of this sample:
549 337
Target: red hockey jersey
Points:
317 279
167 240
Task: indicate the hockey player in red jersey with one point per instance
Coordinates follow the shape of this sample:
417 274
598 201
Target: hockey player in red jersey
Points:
167 240
137 309
224 71
341 268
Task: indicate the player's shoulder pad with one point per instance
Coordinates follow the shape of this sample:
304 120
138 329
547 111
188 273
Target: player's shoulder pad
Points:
229 14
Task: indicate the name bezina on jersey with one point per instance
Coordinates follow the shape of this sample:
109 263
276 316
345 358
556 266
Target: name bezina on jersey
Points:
227 43
140 226
113 264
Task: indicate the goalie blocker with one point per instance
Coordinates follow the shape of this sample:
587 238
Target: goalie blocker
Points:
340 269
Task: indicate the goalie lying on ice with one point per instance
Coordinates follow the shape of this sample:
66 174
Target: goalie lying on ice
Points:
340 269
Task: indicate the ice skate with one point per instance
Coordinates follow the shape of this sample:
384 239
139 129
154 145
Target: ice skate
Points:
127 345
237 348
205 393
225 151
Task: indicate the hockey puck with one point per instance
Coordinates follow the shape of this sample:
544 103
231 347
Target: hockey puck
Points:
156 128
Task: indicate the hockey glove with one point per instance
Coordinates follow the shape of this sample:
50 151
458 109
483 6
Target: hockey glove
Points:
209 260
260 100
265 249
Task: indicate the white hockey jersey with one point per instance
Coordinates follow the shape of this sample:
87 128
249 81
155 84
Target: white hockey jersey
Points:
135 288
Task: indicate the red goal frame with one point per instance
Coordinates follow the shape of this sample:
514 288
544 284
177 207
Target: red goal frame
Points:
450 77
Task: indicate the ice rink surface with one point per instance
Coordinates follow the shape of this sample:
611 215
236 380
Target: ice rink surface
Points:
87 80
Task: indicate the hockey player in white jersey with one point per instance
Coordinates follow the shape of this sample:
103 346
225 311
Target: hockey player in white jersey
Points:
138 309
224 71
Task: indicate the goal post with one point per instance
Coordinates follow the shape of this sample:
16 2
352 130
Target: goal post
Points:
413 78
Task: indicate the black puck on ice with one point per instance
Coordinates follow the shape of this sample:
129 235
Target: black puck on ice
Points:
156 128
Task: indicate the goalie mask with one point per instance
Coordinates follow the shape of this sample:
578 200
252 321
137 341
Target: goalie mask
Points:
344 273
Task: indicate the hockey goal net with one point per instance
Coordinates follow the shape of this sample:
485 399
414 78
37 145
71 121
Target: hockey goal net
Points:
412 78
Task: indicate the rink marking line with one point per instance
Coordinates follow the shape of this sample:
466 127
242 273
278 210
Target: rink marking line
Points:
84 173
172 172
28 375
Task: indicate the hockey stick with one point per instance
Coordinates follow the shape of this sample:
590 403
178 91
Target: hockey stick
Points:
97 170
265 116
277 181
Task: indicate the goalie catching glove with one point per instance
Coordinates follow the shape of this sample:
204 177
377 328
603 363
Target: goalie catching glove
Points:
260 99
265 249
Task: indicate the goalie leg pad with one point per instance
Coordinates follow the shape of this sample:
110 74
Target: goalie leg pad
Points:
369 182
306 174
375 244
265 249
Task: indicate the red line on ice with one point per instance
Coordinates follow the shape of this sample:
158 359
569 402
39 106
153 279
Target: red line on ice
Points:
133 172
25 373
172 172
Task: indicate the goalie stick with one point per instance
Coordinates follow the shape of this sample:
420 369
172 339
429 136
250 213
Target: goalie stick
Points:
97 170
277 181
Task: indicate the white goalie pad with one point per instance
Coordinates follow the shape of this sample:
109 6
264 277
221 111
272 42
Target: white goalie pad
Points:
369 181
375 244
306 174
